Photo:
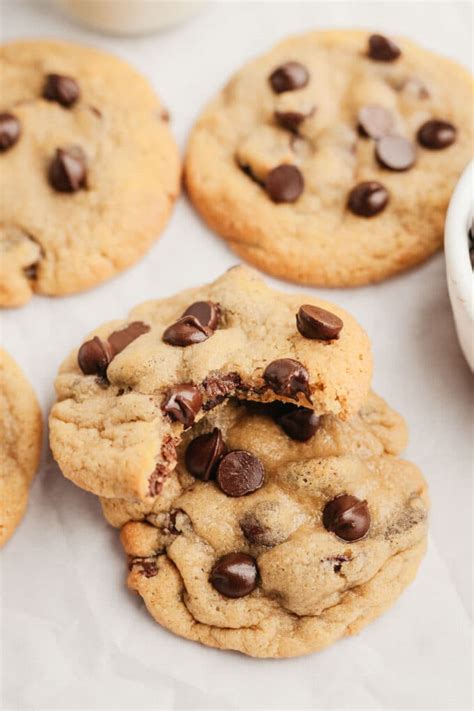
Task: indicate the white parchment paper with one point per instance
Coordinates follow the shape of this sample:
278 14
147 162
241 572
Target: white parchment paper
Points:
72 636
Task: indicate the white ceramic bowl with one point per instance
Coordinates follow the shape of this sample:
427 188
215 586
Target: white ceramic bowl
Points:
458 265
130 17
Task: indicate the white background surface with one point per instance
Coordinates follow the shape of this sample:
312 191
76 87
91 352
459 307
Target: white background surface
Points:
73 637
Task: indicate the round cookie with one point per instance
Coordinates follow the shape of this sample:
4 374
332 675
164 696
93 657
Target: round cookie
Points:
330 160
20 443
274 435
85 141
127 395
314 553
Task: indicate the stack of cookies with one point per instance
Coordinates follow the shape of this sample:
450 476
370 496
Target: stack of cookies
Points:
231 434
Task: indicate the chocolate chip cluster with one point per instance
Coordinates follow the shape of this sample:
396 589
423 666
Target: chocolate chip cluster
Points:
285 183
67 172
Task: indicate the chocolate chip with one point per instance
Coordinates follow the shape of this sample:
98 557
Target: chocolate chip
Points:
383 49
285 183
10 129
291 120
299 423
182 403
368 199
206 312
121 339
234 575
94 357
64 90
336 561
148 568
254 531
218 387
436 134
204 453
288 77
240 473
374 121
287 377
316 323
67 171
157 479
395 153
186 331
31 271
347 516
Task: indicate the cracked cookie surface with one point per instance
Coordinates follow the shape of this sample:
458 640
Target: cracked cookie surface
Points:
126 397
20 443
325 545
331 159
102 168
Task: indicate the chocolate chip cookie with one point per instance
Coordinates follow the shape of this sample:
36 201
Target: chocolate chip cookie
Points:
274 546
89 169
133 387
331 159
20 443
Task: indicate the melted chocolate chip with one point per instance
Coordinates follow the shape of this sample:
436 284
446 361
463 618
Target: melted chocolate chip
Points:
254 531
299 423
316 323
182 403
287 377
206 312
218 387
240 473
291 120
348 517
121 339
67 171
234 575
383 49
204 453
156 480
288 77
368 199
285 183
374 121
94 357
148 568
10 130
186 331
436 134
395 153
62 89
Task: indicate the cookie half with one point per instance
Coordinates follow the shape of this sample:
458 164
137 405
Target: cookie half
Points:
256 551
89 168
331 159
126 396
20 443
